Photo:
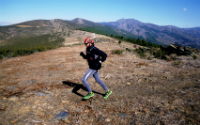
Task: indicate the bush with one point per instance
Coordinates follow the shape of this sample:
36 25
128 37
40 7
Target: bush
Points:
118 52
177 62
119 42
140 53
195 56
159 54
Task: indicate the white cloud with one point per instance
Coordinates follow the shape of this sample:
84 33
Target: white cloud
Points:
184 9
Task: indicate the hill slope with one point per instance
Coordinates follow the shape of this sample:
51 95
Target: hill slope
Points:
35 28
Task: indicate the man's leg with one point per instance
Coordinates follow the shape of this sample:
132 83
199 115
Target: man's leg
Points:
87 75
98 80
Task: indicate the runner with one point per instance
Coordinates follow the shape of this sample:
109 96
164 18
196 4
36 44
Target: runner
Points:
94 57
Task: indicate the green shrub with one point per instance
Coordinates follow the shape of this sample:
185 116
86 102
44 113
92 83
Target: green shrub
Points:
119 42
159 54
140 53
1 57
118 52
195 56
177 62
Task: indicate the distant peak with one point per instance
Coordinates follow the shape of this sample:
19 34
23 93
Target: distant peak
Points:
126 19
78 21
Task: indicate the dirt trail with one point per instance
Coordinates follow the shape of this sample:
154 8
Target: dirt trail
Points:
34 89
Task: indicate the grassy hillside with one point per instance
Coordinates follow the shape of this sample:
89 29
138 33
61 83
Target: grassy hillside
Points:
28 45
36 28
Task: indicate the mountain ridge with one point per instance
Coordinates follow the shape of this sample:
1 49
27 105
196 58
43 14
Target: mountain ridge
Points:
163 35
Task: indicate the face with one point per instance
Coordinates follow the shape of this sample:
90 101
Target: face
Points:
87 44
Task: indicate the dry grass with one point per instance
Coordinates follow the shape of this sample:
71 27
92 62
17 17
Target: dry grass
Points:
156 93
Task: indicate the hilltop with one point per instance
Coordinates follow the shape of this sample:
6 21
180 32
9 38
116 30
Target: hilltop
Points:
36 28
34 89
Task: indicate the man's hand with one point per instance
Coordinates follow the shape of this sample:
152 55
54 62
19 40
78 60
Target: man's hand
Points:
81 53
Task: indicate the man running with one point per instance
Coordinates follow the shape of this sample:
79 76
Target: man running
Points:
94 57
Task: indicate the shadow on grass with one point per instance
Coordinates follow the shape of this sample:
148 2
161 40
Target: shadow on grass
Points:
78 87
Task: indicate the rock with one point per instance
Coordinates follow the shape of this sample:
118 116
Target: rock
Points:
40 94
133 122
107 120
62 115
122 114
140 80
129 83
36 121
182 92
13 99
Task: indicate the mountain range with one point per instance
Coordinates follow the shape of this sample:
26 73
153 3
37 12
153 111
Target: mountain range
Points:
159 34
129 28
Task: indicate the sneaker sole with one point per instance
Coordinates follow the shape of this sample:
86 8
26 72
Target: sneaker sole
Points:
88 98
108 95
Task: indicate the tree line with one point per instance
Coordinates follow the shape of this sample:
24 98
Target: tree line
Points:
137 41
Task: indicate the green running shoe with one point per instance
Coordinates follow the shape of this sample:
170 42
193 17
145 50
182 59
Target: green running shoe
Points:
107 94
89 95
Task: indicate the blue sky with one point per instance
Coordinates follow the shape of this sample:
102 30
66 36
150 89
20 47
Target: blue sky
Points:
180 13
